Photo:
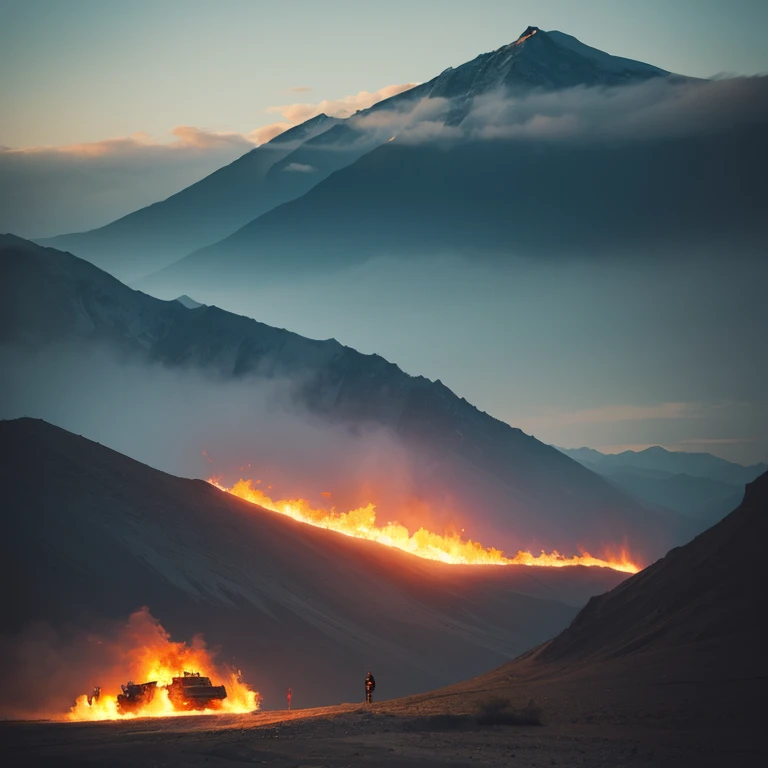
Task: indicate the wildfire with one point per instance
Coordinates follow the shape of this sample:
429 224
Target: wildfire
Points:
152 656
449 548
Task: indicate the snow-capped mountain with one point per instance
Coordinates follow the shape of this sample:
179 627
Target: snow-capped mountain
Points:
541 60
218 205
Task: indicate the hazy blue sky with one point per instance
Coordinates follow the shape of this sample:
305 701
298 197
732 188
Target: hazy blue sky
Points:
85 70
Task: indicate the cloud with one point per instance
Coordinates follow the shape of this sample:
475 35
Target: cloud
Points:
345 107
49 190
268 132
300 168
610 414
658 108
187 137
702 444
297 113
717 441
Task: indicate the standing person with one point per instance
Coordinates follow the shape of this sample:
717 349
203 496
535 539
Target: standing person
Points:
288 695
370 687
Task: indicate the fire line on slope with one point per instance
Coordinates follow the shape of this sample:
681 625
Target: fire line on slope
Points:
450 548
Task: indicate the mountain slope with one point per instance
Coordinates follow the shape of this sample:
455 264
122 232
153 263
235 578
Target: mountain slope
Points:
204 212
702 500
706 590
294 162
91 535
494 200
676 652
509 489
691 700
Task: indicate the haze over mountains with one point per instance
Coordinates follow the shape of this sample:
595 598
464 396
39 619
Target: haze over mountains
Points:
163 383
205 211
543 207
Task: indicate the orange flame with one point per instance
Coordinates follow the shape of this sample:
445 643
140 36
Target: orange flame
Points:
156 658
450 548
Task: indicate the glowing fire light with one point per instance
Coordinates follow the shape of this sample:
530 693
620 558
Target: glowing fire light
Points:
156 658
450 548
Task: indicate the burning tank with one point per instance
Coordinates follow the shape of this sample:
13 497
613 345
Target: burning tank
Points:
135 696
194 692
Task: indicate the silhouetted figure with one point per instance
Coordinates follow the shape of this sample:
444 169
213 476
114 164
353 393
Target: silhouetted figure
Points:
288 695
94 695
370 687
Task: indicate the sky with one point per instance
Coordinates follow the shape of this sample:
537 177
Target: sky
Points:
642 352
108 106
83 71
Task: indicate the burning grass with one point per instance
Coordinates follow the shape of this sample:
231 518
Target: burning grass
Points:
450 548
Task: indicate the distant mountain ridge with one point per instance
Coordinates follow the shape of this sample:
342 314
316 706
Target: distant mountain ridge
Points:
660 459
702 487
217 206
513 487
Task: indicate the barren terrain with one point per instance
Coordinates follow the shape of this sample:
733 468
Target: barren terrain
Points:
612 714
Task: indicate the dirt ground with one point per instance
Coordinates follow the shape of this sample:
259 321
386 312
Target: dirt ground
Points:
349 736
621 714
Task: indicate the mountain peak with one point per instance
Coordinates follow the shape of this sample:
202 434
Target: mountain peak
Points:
529 32
188 302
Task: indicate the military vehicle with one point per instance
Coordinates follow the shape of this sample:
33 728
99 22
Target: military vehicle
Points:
195 692
135 696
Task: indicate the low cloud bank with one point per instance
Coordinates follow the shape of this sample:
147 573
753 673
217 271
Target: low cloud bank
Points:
46 191
658 108
50 190
198 424
298 112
